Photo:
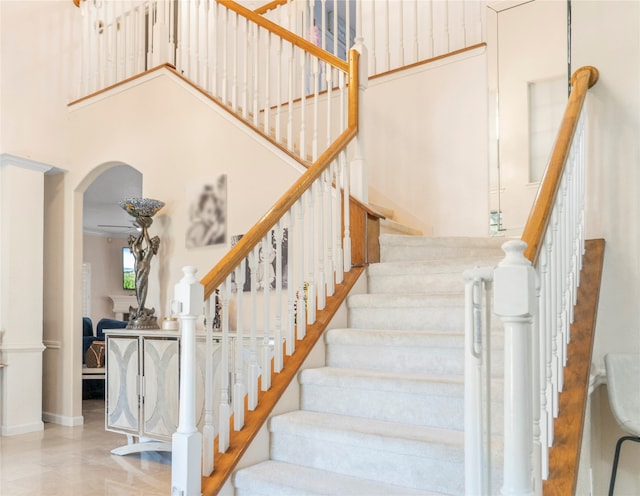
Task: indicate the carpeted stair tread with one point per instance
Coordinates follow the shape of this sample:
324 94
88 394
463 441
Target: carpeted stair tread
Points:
410 300
449 385
454 266
371 433
399 247
385 337
273 478
389 452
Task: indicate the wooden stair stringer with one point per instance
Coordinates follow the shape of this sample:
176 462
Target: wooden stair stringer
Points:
564 455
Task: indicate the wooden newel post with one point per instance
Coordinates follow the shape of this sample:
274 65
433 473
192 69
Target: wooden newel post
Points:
187 441
515 304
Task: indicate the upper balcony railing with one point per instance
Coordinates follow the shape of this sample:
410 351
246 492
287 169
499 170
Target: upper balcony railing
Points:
397 33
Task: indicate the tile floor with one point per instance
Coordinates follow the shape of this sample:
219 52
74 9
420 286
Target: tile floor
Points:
70 461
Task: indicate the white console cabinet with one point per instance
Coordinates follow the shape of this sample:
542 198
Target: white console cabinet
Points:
143 379
142 387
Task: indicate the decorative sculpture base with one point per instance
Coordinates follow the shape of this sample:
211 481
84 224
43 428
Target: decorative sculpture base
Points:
146 319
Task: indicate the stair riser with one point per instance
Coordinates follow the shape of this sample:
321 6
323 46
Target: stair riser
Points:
408 253
415 318
415 360
431 410
429 467
416 283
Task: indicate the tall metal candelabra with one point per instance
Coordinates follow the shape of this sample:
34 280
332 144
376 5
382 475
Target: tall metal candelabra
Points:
143 248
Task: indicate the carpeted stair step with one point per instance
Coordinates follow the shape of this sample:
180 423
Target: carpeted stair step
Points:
406 311
420 352
412 351
273 478
419 399
388 452
422 277
403 248
417 311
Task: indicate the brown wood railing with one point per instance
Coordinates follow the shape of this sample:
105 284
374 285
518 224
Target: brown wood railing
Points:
239 440
583 79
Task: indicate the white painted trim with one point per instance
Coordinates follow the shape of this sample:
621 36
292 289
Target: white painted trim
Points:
15 430
53 345
228 116
23 348
441 62
64 420
25 163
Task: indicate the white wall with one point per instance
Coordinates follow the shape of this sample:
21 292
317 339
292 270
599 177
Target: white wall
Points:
527 44
38 77
606 34
426 145
104 254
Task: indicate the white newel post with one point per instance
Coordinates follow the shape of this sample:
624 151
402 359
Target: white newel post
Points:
515 304
187 441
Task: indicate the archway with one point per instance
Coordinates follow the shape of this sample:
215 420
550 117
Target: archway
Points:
105 229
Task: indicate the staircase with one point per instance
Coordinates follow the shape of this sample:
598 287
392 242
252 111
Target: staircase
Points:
385 416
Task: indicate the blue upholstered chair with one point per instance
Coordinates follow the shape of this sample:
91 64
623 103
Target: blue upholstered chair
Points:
109 324
87 335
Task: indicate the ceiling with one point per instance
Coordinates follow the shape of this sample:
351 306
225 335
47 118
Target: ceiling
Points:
102 214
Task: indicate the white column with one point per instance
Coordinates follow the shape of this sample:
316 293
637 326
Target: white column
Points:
187 441
21 295
515 303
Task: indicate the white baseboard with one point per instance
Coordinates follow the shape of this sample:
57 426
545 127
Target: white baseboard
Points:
14 430
63 419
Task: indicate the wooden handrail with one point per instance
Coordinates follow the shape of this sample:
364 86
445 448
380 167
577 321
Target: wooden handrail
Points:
216 276
269 6
533 233
285 34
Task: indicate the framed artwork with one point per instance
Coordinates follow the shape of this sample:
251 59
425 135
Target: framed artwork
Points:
266 271
207 212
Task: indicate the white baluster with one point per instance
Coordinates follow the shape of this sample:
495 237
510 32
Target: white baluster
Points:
225 410
256 72
290 87
213 53
536 368
311 242
346 242
387 46
239 388
330 266
291 285
245 67
277 341
301 319
225 56
416 45
322 241
543 332
208 431
186 442
401 33
269 255
234 62
339 253
252 373
266 124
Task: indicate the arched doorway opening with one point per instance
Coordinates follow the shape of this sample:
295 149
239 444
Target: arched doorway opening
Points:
105 230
